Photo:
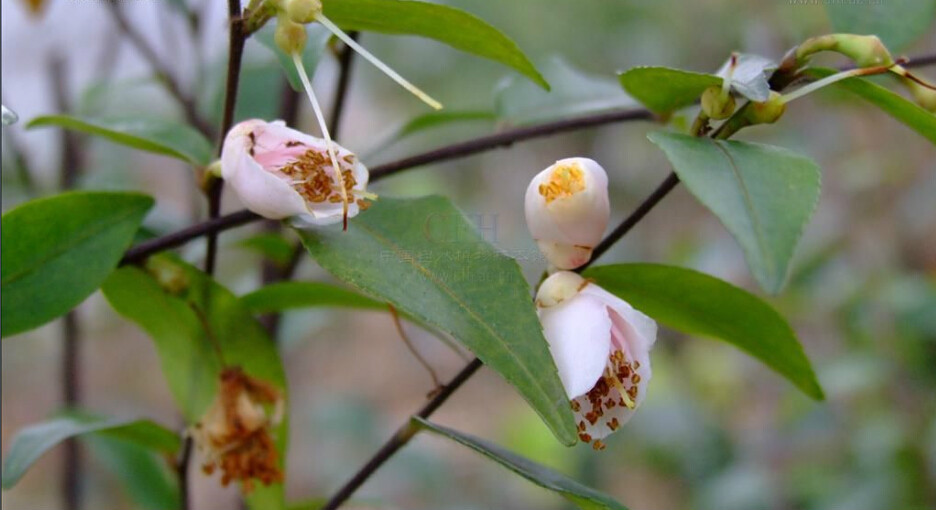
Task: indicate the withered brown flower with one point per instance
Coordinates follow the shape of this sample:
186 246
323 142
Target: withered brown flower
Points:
234 435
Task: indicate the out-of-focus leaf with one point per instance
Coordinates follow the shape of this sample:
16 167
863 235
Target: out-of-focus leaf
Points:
663 89
58 250
581 496
904 110
271 245
451 26
258 93
158 136
430 121
145 475
897 22
573 92
764 195
750 75
699 304
423 257
317 38
194 322
285 295
31 442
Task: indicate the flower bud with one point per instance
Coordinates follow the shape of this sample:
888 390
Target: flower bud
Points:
767 112
924 96
289 36
567 210
601 347
863 50
716 104
278 172
303 11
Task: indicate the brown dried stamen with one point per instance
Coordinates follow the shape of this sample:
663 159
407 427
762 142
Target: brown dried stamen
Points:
620 375
315 181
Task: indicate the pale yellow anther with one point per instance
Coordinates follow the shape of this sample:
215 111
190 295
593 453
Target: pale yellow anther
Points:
564 181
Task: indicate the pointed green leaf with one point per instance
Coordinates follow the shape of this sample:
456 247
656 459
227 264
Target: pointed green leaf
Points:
663 90
897 22
58 250
573 92
158 136
30 443
764 195
451 26
146 476
698 304
423 257
911 114
194 322
285 295
581 496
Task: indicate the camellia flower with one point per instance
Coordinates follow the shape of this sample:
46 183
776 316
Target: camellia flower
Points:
601 346
278 172
567 210
234 434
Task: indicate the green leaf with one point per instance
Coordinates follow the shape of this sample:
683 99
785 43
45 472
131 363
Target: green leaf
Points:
451 26
897 22
316 39
285 295
663 90
271 245
31 442
581 496
573 92
145 475
58 250
194 322
423 257
904 110
158 136
698 304
764 195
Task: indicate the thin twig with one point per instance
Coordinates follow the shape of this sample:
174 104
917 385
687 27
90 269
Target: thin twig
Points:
170 82
401 437
69 163
436 384
454 151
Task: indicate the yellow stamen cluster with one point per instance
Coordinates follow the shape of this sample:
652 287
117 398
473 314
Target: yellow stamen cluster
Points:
564 181
234 435
316 184
620 375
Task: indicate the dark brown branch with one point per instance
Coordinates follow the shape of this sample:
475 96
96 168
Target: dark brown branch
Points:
454 151
401 437
171 84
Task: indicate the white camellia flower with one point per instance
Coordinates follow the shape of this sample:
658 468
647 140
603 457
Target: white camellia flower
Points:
601 346
278 172
567 210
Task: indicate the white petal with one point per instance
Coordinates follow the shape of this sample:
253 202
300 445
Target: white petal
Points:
579 334
564 256
259 190
644 327
579 219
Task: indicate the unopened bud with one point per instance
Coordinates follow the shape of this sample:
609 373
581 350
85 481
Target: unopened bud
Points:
567 210
863 50
924 96
289 36
766 112
716 104
559 287
303 11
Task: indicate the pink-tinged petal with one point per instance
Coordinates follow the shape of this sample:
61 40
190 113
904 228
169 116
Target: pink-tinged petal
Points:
263 192
645 328
564 256
579 334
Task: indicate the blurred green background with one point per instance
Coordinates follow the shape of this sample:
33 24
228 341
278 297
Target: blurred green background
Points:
718 431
